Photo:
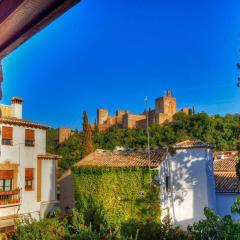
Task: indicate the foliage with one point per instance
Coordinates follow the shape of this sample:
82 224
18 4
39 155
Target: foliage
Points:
72 227
218 130
71 151
48 229
52 140
87 136
236 206
223 132
129 195
75 226
215 228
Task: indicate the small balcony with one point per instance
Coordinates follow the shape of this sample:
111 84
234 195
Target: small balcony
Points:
9 198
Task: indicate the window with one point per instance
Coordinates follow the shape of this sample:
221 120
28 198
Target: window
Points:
29 138
7 135
29 176
6 177
167 183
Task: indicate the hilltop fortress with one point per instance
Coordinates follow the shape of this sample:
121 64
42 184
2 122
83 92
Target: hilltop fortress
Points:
163 112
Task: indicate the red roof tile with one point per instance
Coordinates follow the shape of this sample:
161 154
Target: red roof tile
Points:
120 159
192 144
225 176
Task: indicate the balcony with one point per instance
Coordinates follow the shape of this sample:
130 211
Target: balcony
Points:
10 198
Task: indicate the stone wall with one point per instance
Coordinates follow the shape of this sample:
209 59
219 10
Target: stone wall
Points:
64 134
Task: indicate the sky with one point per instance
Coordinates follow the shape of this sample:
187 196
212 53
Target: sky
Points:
111 54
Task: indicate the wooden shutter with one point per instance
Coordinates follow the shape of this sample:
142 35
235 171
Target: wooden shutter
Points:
6 174
29 173
29 135
7 133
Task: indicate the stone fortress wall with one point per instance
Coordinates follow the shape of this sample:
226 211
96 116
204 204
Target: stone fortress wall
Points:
164 110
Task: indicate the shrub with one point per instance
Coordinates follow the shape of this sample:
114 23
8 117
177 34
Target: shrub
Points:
215 227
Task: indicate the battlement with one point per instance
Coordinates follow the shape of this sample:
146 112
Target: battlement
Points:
163 112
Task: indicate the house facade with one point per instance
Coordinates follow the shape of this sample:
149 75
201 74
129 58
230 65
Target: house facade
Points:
189 178
187 182
194 178
27 172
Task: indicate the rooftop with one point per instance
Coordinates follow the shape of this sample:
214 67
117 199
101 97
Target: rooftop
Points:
22 122
123 158
49 156
225 175
192 144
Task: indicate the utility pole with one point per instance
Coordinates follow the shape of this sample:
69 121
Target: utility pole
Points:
148 138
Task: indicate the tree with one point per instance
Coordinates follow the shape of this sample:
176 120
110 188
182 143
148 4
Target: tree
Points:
87 136
238 148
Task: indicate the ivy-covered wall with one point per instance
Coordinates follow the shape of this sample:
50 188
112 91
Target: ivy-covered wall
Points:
123 194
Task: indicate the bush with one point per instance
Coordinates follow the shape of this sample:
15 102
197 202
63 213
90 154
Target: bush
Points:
215 227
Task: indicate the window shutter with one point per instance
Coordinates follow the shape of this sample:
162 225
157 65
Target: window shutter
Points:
29 173
6 174
7 133
29 135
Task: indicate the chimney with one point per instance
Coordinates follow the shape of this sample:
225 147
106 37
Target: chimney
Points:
17 107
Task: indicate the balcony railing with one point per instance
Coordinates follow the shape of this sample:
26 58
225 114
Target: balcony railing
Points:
10 197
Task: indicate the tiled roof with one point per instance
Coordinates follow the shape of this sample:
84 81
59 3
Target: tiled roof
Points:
49 156
225 165
227 182
121 159
225 176
21 122
192 144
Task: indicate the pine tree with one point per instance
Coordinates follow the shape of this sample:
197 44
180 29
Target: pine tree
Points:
96 129
193 110
87 136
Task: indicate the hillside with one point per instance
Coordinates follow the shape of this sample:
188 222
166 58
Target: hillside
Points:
222 131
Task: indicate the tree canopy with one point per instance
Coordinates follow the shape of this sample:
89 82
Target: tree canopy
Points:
221 131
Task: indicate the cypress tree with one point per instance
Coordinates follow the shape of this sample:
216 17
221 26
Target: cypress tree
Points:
87 136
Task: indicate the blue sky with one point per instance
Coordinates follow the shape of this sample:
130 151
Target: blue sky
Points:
111 54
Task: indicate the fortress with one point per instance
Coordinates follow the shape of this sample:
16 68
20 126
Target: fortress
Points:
164 110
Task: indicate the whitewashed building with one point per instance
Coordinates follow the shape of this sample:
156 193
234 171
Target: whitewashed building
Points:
187 182
191 180
27 172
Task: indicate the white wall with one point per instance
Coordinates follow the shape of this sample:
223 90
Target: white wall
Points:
224 204
191 177
48 180
26 157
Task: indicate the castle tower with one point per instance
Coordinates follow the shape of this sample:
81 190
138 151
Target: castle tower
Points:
166 104
102 116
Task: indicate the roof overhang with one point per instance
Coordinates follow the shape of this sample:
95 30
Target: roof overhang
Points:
21 19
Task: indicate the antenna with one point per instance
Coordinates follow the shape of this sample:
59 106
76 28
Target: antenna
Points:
148 138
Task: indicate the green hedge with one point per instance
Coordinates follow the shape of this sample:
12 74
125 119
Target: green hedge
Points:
122 194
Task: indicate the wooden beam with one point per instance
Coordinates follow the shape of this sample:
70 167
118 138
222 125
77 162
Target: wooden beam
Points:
21 19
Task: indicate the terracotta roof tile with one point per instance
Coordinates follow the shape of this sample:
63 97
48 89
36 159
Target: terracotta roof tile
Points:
192 144
225 175
120 159
49 156
225 165
227 182
21 122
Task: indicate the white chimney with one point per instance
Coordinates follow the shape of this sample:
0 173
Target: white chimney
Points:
17 107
